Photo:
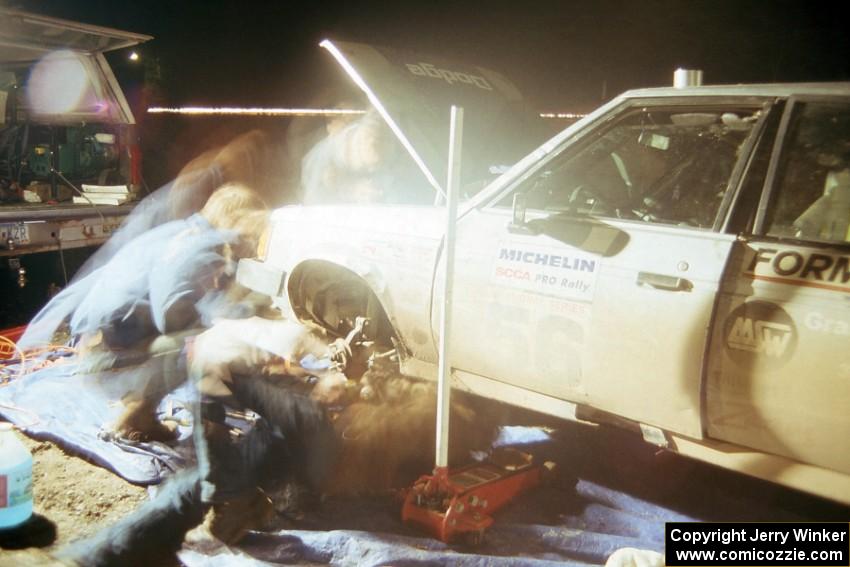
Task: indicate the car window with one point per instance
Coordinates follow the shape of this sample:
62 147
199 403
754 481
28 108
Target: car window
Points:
63 87
812 190
659 165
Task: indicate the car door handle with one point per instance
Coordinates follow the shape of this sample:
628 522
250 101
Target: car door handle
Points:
667 283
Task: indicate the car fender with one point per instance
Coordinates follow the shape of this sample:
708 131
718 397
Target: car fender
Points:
393 250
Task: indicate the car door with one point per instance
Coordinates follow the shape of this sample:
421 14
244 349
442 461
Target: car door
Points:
779 377
605 294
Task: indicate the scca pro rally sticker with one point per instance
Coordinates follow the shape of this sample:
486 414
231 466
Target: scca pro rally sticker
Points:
760 333
551 271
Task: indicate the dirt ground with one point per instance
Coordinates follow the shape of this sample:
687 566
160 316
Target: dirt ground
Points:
75 495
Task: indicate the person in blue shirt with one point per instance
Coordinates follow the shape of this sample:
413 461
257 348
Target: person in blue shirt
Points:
164 284
152 284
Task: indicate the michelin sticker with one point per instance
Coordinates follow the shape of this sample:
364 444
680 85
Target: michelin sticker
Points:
760 333
546 270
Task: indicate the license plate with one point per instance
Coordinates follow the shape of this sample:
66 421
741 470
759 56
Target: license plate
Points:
17 232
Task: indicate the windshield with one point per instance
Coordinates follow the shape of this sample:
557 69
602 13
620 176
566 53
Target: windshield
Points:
666 165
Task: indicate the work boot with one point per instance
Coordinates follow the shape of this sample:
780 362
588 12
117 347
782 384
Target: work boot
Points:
139 423
229 521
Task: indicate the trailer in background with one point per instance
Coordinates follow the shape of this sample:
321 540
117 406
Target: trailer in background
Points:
70 164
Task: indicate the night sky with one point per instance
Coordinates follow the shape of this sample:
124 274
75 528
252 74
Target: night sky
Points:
563 55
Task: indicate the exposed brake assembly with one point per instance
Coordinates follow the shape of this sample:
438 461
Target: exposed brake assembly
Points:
340 350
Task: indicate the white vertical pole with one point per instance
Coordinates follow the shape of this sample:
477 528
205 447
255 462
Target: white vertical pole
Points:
444 387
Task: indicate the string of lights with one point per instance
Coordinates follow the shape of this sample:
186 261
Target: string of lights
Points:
255 111
258 111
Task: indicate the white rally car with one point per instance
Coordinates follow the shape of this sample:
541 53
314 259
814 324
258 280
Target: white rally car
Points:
677 262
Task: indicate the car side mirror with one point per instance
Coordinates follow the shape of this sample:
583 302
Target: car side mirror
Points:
518 224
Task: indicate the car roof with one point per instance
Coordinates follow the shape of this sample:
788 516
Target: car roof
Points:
766 89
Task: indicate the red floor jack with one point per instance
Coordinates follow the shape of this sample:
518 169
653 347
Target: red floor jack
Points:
459 504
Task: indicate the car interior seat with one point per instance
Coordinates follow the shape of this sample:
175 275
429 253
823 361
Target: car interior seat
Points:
828 218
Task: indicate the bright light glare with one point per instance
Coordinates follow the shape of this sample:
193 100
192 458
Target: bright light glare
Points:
259 111
133 56
57 83
373 98
256 111
564 115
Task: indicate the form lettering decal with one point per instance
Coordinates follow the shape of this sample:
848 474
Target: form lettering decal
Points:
801 268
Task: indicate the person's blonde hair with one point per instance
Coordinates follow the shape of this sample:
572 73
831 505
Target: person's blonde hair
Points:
249 227
237 208
229 204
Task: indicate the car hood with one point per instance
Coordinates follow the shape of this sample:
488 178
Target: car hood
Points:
27 37
413 94
380 220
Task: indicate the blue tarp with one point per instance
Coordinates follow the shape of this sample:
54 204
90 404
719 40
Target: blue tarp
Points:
624 495
141 281
75 410
593 522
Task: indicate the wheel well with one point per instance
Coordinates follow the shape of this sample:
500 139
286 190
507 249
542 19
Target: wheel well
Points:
332 297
